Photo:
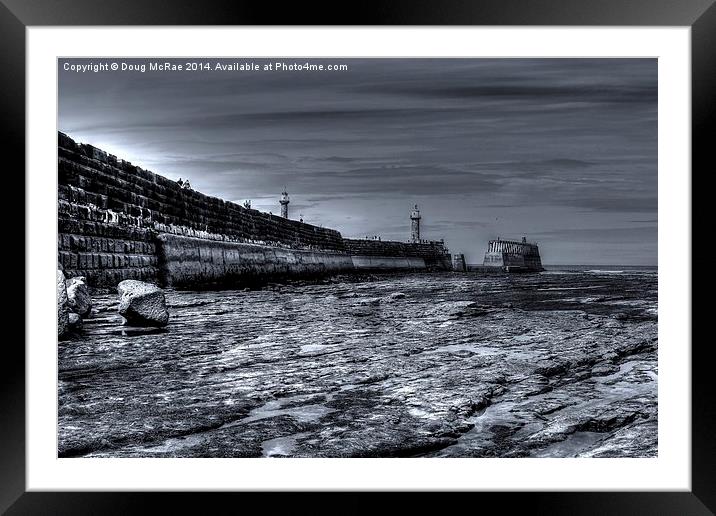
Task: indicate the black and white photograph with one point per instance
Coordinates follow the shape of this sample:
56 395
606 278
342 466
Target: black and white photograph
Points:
360 257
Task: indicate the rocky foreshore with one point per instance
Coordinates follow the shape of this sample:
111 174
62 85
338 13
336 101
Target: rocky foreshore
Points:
452 365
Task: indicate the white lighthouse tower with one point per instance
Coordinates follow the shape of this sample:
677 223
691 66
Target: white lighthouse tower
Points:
284 203
415 225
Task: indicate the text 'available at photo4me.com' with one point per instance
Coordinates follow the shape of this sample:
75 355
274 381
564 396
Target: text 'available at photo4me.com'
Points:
201 66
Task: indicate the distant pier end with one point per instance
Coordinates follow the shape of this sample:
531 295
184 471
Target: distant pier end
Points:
513 256
458 262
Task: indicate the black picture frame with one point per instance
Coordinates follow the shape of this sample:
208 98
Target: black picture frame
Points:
700 15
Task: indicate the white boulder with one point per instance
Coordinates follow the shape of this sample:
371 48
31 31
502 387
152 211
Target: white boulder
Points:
78 296
142 304
63 321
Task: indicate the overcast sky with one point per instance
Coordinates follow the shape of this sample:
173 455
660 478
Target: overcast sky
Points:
563 151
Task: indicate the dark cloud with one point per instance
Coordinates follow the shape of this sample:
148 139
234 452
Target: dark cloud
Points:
530 92
601 235
488 147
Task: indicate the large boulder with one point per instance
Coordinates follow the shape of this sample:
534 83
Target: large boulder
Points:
78 297
142 304
63 322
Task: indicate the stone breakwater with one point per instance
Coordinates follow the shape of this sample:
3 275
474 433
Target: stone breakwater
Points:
560 364
111 213
375 254
186 261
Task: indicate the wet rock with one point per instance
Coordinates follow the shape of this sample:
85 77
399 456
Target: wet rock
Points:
549 369
461 309
142 304
610 356
369 301
634 347
638 440
75 321
604 369
381 380
63 322
613 418
134 331
78 296
475 310
539 387
466 408
591 418
548 407
373 378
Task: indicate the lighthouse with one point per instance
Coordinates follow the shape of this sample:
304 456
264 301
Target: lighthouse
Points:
284 204
415 225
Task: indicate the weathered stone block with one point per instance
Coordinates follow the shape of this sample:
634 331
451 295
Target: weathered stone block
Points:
142 304
78 296
63 323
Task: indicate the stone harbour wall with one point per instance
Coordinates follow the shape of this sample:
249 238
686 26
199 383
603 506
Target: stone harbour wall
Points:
117 221
111 183
187 261
377 263
102 245
434 254
110 213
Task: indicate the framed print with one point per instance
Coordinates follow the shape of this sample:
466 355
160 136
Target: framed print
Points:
440 249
